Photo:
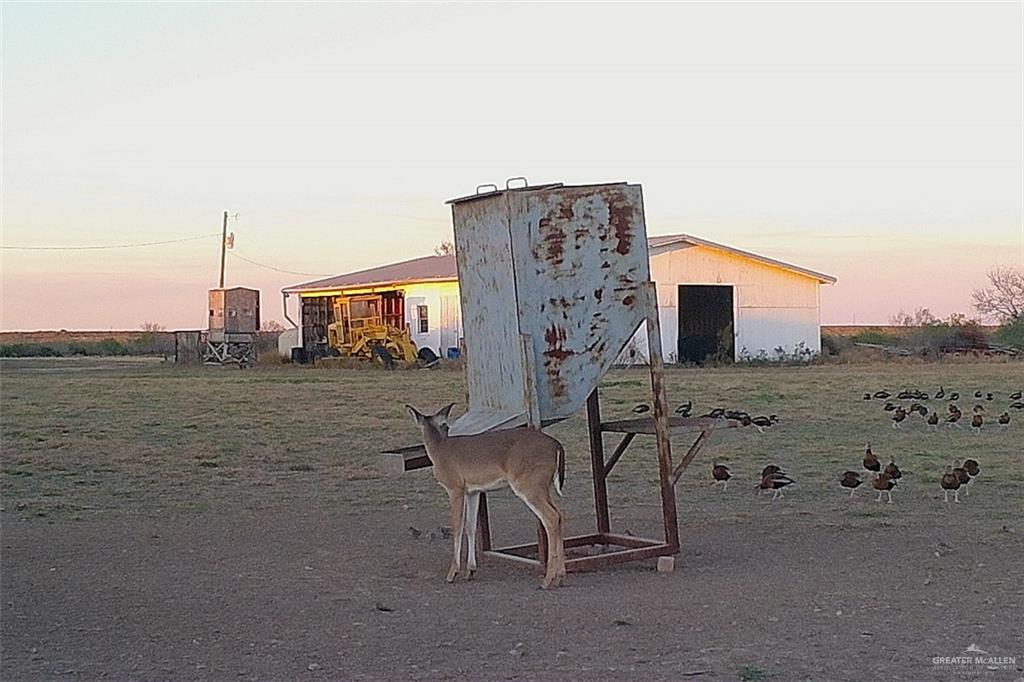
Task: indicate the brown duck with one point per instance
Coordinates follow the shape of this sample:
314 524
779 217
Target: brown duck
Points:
884 484
721 474
950 481
851 480
871 462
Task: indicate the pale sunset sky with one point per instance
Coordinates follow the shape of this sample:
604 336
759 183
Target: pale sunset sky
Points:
882 143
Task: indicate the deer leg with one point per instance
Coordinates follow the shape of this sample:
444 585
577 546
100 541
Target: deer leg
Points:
472 512
458 501
542 506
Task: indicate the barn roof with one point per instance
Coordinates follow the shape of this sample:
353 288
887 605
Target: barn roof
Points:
426 269
442 268
669 242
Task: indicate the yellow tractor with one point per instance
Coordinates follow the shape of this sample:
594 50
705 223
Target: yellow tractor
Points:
365 327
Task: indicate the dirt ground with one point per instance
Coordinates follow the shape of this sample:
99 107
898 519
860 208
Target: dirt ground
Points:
274 596
144 541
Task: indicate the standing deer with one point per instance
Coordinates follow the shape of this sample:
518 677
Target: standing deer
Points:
524 459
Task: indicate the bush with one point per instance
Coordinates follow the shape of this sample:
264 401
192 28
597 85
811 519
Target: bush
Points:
834 345
1012 333
878 338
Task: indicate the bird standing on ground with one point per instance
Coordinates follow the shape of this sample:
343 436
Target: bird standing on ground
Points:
641 408
1004 419
977 394
950 481
851 480
883 394
1016 396
684 409
954 419
954 396
933 420
941 394
898 416
769 470
883 484
721 474
976 422
776 482
892 471
963 475
871 462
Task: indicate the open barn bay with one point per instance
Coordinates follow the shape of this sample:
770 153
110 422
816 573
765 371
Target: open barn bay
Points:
163 523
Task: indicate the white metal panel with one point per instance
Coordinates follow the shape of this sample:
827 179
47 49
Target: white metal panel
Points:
494 367
761 330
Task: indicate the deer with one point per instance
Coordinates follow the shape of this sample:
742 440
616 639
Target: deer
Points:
524 459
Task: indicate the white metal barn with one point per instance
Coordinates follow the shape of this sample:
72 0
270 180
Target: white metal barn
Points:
706 290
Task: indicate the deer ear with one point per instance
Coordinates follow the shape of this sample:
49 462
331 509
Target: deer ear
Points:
414 413
444 412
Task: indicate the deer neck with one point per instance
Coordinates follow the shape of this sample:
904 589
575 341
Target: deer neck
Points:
434 441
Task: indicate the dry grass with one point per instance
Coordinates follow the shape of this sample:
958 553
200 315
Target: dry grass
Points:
106 437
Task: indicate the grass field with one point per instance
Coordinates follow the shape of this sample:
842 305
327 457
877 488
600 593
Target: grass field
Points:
112 437
169 523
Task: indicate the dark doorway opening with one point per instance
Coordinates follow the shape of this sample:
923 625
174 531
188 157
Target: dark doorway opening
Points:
705 322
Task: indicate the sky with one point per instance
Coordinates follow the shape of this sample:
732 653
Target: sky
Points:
881 143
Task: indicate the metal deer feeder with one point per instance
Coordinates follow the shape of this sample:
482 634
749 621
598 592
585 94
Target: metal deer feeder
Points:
554 281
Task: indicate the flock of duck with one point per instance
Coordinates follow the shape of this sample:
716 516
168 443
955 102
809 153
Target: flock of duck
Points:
952 419
760 422
882 479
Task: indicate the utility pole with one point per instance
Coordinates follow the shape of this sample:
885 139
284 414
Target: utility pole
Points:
223 248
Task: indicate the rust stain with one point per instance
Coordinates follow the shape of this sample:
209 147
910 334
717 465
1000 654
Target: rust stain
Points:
554 356
628 300
598 294
619 216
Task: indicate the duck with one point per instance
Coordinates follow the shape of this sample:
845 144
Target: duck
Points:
933 420
776 482
978 409
889 407
684 409
721 474
972 467
867 396
1016 395
952 408
976 422
716 413
769 470
883 483
1017 405
922 410
851 480
977 394
871 462
954 419
762 423
905 395
883 394
954 396
641 408
988 396
950 481
941 393
897 417
1004 419
892 471
963 475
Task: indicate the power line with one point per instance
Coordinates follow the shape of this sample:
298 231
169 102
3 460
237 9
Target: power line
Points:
110 246
276 269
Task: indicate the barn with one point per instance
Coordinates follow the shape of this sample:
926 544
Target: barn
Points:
717 300
713 300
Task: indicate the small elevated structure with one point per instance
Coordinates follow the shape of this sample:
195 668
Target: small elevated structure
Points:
234 324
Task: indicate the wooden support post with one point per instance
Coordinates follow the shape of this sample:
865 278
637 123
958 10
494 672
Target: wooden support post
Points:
617 452
597 462
690 454
668 494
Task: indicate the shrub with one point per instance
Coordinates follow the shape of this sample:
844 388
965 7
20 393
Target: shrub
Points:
1012 333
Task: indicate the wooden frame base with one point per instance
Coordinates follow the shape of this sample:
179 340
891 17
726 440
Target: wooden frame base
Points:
629 548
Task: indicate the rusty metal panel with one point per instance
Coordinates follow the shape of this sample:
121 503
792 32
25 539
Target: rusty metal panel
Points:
581 264
560 268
